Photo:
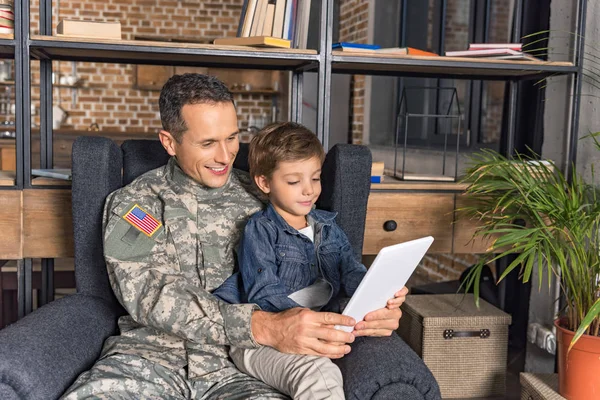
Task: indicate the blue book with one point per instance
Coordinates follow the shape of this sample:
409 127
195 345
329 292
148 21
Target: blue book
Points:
354 46
376 179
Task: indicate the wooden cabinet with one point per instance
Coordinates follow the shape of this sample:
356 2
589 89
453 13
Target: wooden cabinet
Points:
61 146
153 77
35 223
8 161
415 215
415 210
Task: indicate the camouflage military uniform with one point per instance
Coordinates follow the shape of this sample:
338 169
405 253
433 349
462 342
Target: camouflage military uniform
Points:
163 267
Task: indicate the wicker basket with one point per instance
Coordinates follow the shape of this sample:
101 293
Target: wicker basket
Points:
539 387
464 347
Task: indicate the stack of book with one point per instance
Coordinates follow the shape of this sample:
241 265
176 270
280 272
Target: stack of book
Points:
377 172
500 51
373 48
89 29
272 23
7 16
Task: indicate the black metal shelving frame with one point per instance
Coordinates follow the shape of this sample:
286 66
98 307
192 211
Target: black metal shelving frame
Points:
46 48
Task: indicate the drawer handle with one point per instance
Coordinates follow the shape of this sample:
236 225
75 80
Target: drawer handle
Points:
390 226
451 333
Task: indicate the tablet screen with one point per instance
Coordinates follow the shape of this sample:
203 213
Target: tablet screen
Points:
388 274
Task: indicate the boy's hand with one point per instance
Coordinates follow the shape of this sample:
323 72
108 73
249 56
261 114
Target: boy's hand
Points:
384 321
399 298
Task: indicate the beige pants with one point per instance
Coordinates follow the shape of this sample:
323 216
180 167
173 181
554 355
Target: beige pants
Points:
301 377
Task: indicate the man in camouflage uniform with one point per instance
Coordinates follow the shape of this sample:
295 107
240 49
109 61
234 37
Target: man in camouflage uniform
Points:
169 240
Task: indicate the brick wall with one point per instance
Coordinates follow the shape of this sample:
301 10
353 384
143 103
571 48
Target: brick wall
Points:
108 96
354 28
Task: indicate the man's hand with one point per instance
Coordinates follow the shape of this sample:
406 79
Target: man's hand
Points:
302 331
384 321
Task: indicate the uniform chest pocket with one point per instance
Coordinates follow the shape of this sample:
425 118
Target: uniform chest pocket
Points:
293 267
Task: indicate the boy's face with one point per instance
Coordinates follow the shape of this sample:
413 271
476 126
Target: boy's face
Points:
293 189
209 145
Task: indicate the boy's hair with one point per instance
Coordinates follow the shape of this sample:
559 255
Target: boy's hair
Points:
184 89
282 141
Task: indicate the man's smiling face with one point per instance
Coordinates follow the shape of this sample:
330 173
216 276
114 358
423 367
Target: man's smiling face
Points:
210 143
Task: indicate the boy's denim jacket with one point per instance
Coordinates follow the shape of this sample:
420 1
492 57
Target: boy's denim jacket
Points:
275 260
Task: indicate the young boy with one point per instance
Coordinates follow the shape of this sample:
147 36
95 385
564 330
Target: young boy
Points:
292 255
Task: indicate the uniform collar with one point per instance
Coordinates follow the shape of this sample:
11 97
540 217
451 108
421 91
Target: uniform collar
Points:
183 183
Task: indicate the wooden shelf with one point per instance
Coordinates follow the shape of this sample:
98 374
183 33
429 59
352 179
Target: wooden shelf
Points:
44 181
454 67
255 91
392 184
169 53
7 178
56 85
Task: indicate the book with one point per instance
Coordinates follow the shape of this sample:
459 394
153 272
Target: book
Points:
493 53
278 20
268 25
411 51
255 41
249 18
89 29
483 46
287 21
301 25
377 168
348 46
258 22
293 16
57 173
242 18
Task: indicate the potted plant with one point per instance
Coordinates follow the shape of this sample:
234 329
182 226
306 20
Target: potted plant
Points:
531 210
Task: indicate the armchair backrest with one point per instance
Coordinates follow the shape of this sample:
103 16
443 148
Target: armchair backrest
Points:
97 164
96 169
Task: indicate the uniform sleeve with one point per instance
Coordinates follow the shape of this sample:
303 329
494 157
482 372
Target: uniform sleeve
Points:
149 284
258 267
352 272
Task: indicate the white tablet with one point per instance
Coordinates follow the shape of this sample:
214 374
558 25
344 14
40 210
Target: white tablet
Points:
388 274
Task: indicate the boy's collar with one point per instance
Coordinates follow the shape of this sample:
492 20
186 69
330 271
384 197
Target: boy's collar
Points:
319 216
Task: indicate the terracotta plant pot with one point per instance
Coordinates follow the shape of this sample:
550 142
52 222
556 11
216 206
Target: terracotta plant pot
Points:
578 371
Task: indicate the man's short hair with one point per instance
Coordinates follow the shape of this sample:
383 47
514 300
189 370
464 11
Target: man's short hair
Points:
282 141
181 90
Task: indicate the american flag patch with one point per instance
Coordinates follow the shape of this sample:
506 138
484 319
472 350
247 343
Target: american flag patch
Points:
142 220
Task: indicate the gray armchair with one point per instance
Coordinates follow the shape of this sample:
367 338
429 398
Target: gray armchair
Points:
43 353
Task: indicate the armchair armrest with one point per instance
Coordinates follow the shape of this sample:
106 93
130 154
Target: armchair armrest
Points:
43 353
380 368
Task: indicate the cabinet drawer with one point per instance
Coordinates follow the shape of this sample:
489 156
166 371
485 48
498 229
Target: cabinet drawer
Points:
415 214
464 229
61 148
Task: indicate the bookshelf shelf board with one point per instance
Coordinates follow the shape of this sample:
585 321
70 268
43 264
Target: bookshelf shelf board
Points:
455 67
392 184
56 85
44 181
269 92
169 53
7 178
